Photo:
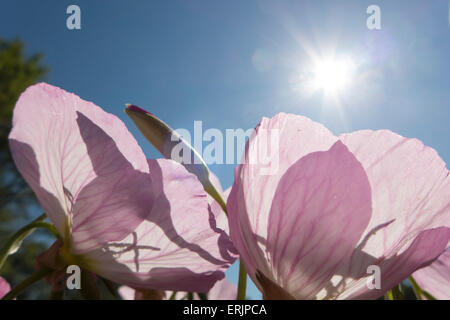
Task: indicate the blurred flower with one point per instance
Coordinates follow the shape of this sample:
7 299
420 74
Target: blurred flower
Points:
138 222
335 207
222 290
4 287
435 279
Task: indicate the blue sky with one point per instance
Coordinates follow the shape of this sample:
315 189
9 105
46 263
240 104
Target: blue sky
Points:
229 63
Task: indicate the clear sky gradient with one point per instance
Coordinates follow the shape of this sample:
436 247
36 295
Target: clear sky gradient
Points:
229 63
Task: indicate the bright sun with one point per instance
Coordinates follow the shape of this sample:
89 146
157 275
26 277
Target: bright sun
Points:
332 75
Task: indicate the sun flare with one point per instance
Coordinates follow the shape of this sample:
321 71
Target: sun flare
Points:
332 75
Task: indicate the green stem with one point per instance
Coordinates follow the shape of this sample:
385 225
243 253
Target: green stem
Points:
416 288
38 275
242 284
428 296
397 293
202 296
172 296
40 218
420 290
209 188
48 226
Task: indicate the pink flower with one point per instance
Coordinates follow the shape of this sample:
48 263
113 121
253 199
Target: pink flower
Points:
311 219
4 287
143 223
222 290
435 279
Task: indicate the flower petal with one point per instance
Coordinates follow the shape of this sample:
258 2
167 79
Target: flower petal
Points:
435 279
410 187
424 249
256 180
410 194
127 293
86 169
178 247
320 210
223 290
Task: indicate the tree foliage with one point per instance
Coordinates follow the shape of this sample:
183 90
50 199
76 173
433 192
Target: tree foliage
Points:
17 72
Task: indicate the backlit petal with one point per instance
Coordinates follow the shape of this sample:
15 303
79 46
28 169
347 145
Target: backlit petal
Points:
83 164
435 279
289 137
178 247
320 210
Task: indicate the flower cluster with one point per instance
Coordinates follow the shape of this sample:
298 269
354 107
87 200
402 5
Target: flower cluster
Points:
331 208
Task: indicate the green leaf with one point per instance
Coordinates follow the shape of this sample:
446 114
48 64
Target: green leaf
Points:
16 240
164 139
